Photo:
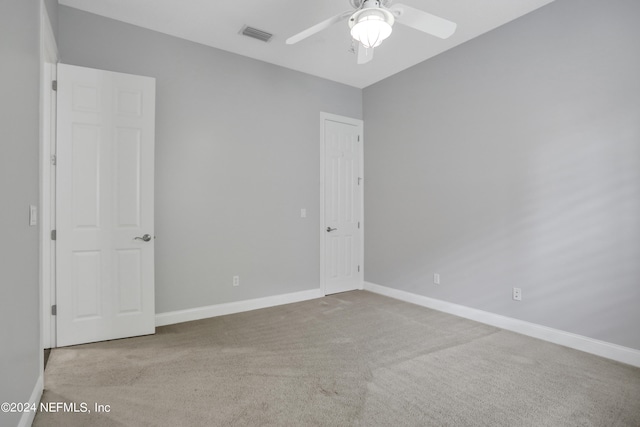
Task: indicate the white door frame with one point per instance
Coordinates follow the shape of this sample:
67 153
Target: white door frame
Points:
48 60
360 125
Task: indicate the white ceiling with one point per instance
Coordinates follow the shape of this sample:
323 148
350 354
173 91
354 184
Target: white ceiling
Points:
326 54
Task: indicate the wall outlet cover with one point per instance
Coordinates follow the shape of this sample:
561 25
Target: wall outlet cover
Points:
517 294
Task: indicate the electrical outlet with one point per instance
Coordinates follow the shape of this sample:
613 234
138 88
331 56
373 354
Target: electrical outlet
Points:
517 294
436 278
236 280
303 213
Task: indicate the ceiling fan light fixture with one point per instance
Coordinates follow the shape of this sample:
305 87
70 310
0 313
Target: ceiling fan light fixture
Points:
371 26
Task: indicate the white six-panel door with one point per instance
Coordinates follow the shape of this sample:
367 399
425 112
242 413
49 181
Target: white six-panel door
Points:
104 206
342 225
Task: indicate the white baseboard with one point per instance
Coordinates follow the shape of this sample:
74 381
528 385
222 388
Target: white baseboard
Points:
589 345
188 315
27 417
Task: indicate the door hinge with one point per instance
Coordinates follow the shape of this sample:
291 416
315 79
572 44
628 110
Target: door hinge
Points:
54 235
358 269
359 180
54 310
54 160
54 85
358 224
358 137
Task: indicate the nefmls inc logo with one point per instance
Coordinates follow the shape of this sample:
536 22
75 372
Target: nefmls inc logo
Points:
81 407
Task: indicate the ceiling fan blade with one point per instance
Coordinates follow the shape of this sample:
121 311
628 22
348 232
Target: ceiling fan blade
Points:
423 21
319 27
364 55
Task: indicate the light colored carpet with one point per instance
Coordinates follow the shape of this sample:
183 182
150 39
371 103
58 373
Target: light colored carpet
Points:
350 359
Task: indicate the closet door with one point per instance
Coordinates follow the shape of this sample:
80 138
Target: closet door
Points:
104 205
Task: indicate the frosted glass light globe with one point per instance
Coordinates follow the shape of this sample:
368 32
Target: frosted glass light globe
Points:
372 26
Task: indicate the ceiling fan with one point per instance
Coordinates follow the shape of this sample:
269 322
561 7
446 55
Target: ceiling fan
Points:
372 20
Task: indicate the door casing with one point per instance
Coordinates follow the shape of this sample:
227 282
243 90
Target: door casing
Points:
48 61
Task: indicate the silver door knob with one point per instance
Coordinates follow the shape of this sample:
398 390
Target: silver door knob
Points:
329 229
144 238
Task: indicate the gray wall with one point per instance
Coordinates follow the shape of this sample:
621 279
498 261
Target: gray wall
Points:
19 118
52 11
514 160
237 157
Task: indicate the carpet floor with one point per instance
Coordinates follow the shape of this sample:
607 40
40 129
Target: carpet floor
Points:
355 358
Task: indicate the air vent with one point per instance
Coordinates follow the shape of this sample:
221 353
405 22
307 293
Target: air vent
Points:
256 33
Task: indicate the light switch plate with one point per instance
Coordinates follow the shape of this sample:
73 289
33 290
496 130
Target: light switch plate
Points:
33 215
303 213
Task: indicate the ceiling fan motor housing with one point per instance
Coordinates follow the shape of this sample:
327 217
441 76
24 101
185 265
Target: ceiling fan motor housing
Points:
357 4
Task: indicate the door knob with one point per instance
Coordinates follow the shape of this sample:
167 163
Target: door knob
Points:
329 229
144 238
